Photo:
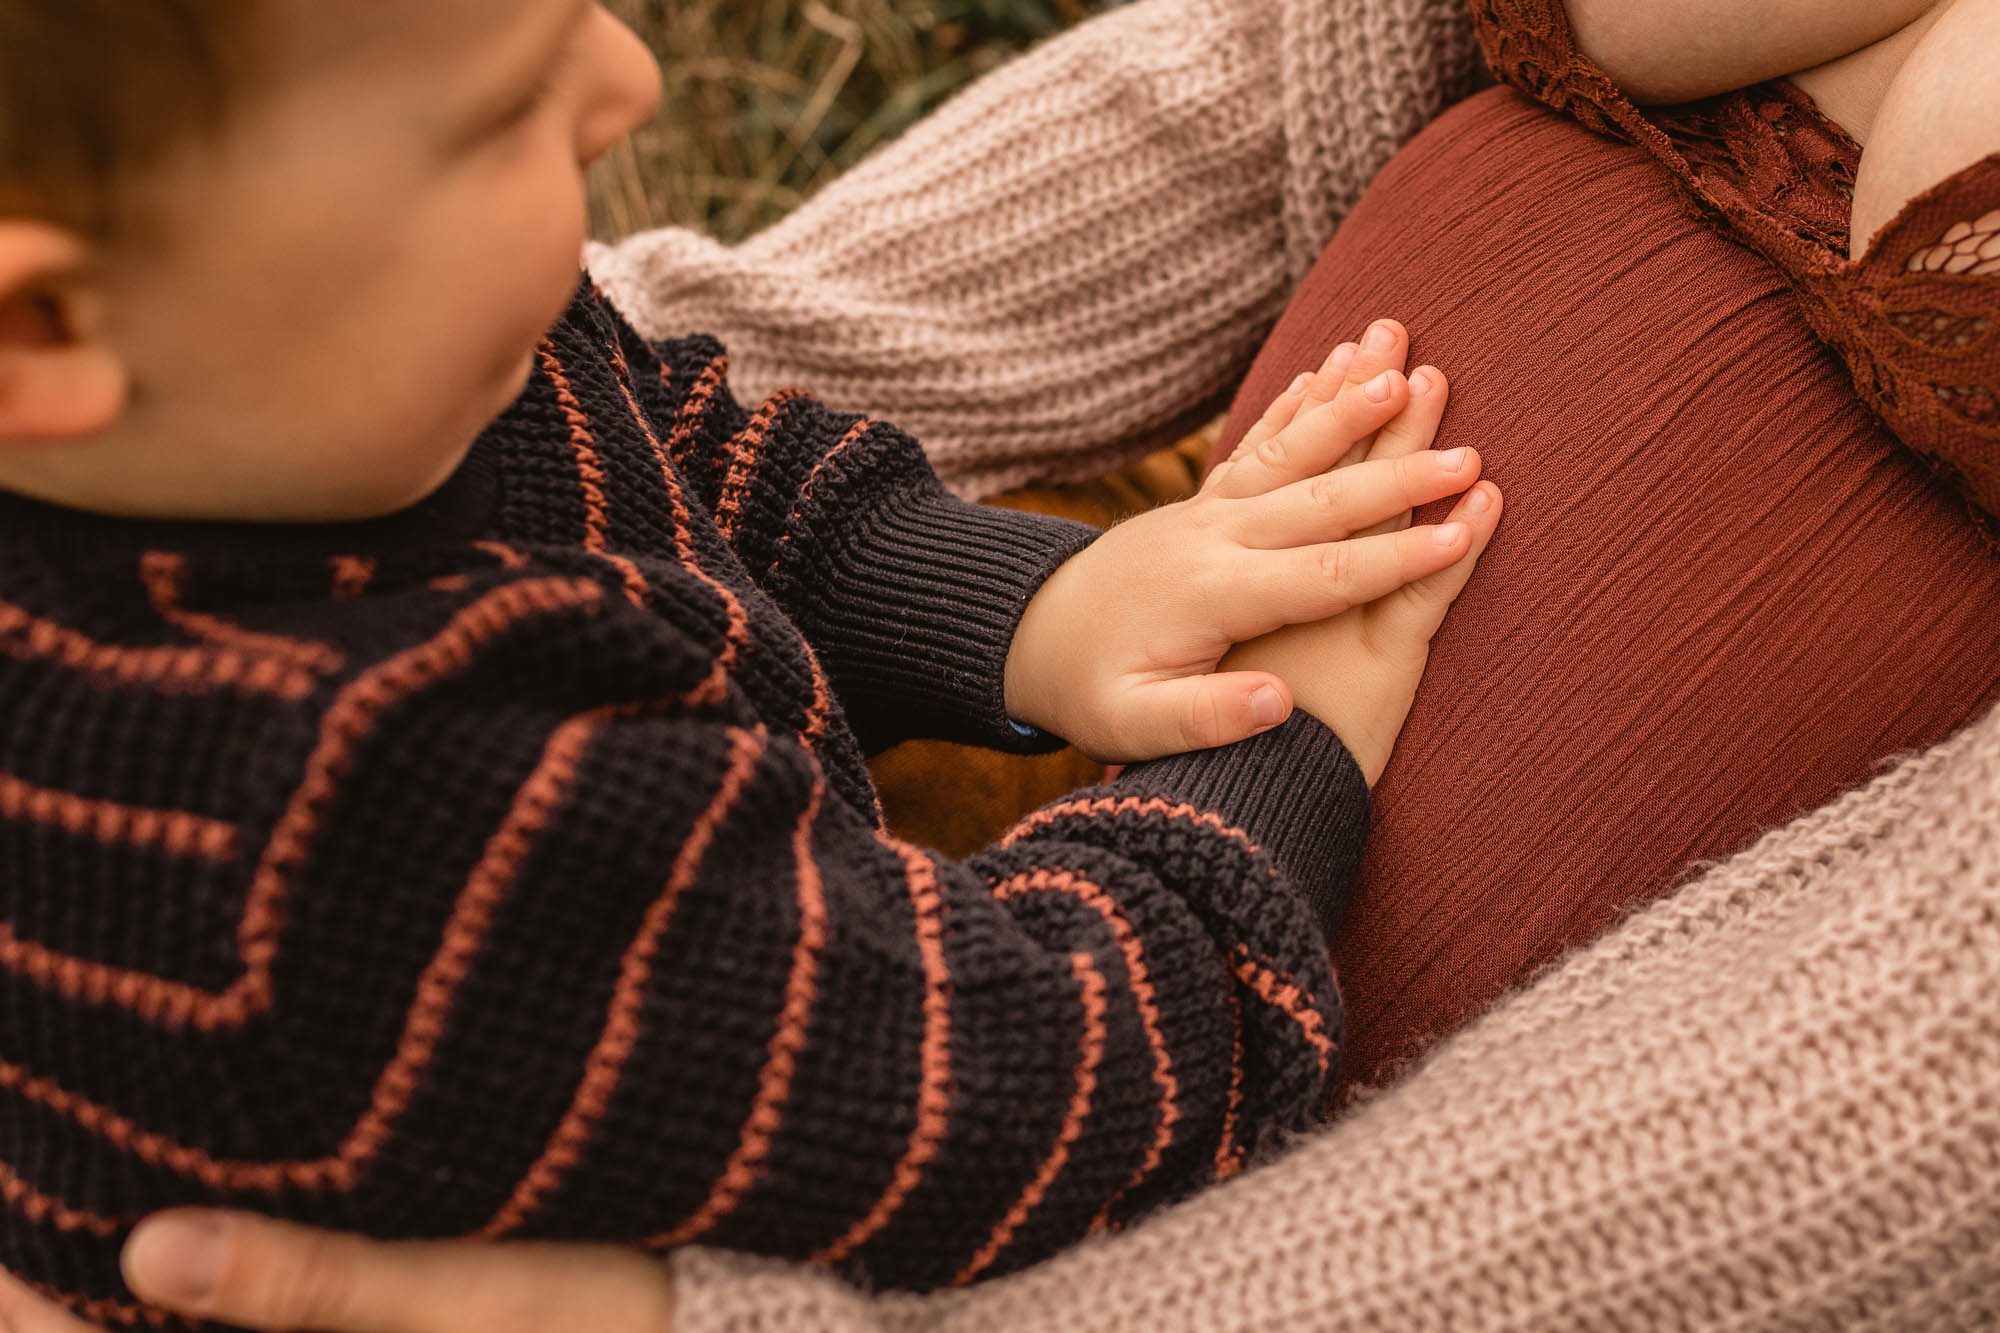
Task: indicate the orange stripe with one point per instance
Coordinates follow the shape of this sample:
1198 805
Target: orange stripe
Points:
1143 995
534 806
30 638
1285 995
165 575
744 448
811 486
606 1064
774 1084
174 832
1128 805
348 721
821 711
712 689
1090 1054
934 1083
351 576
508 557
1228 1161
590 476
114 1313
43 1210
700 397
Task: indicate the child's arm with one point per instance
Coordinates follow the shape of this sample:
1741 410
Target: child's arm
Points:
911 598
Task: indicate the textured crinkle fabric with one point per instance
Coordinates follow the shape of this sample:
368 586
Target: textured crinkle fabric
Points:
1072 262
1770 1101
1916 318
1723 592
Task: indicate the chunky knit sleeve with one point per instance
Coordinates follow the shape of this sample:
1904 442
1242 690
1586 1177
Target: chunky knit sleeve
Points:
1771 1101
521 931
1076 259
909 596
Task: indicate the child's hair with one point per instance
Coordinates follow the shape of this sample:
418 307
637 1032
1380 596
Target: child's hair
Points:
92 90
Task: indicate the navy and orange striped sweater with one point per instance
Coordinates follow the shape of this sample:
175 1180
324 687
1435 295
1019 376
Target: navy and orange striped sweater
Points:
510 867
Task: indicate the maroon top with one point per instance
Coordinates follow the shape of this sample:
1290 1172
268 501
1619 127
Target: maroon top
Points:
1722 594
1916 319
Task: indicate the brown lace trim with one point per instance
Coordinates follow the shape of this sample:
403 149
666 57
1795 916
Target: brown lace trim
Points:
1916 319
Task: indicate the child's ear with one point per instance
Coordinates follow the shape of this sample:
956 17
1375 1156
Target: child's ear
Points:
61 381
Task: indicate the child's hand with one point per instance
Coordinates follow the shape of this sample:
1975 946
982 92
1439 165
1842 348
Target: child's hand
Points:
1117 651
1358 672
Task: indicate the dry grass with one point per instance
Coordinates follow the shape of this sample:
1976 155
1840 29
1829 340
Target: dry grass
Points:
768 99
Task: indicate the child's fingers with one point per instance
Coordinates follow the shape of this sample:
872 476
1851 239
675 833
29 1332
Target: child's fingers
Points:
1285 408
1348 370
1413 614
1342 503
1385 346
1415 429
1200 713
1319 437
1308 583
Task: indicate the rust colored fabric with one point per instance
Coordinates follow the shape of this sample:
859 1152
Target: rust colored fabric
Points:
1916 318
1722 593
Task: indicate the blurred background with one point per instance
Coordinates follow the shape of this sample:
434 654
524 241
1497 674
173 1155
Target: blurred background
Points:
768 99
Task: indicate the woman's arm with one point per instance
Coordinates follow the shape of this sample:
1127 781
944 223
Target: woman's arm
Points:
1073 261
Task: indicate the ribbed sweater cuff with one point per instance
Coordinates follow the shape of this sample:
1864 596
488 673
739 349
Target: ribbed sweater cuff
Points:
1295 790
916 617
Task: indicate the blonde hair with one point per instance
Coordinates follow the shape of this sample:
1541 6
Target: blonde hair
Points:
93 90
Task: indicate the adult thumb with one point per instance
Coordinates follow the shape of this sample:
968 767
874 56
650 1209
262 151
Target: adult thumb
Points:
260 1273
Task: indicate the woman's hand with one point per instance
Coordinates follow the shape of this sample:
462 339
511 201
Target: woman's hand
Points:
1118 652
247 1270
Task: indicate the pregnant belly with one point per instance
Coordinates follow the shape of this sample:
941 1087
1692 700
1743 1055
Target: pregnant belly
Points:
1721 594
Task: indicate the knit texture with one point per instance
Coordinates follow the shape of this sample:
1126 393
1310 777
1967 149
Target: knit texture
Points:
1771 1101
510 867
1073 261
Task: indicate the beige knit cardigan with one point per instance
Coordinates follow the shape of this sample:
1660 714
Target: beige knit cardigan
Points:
1771 1100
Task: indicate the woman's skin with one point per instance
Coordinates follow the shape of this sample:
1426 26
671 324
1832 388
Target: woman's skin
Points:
257 1273
1911 80
1907 78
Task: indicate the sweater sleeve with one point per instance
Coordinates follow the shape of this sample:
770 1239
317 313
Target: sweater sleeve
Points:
726 1006
1767 1101
908 595
1074 260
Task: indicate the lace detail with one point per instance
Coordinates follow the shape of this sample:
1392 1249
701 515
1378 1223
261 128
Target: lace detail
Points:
1965 247
1916 319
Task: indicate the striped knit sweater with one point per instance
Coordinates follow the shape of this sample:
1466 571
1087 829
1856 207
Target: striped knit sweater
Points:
510 867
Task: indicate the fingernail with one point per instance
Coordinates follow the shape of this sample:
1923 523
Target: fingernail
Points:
1455 460
1267 706
1381 338
1420 384
1300 382
177 1260
1341 358
1478 502
1449 534
1377 389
